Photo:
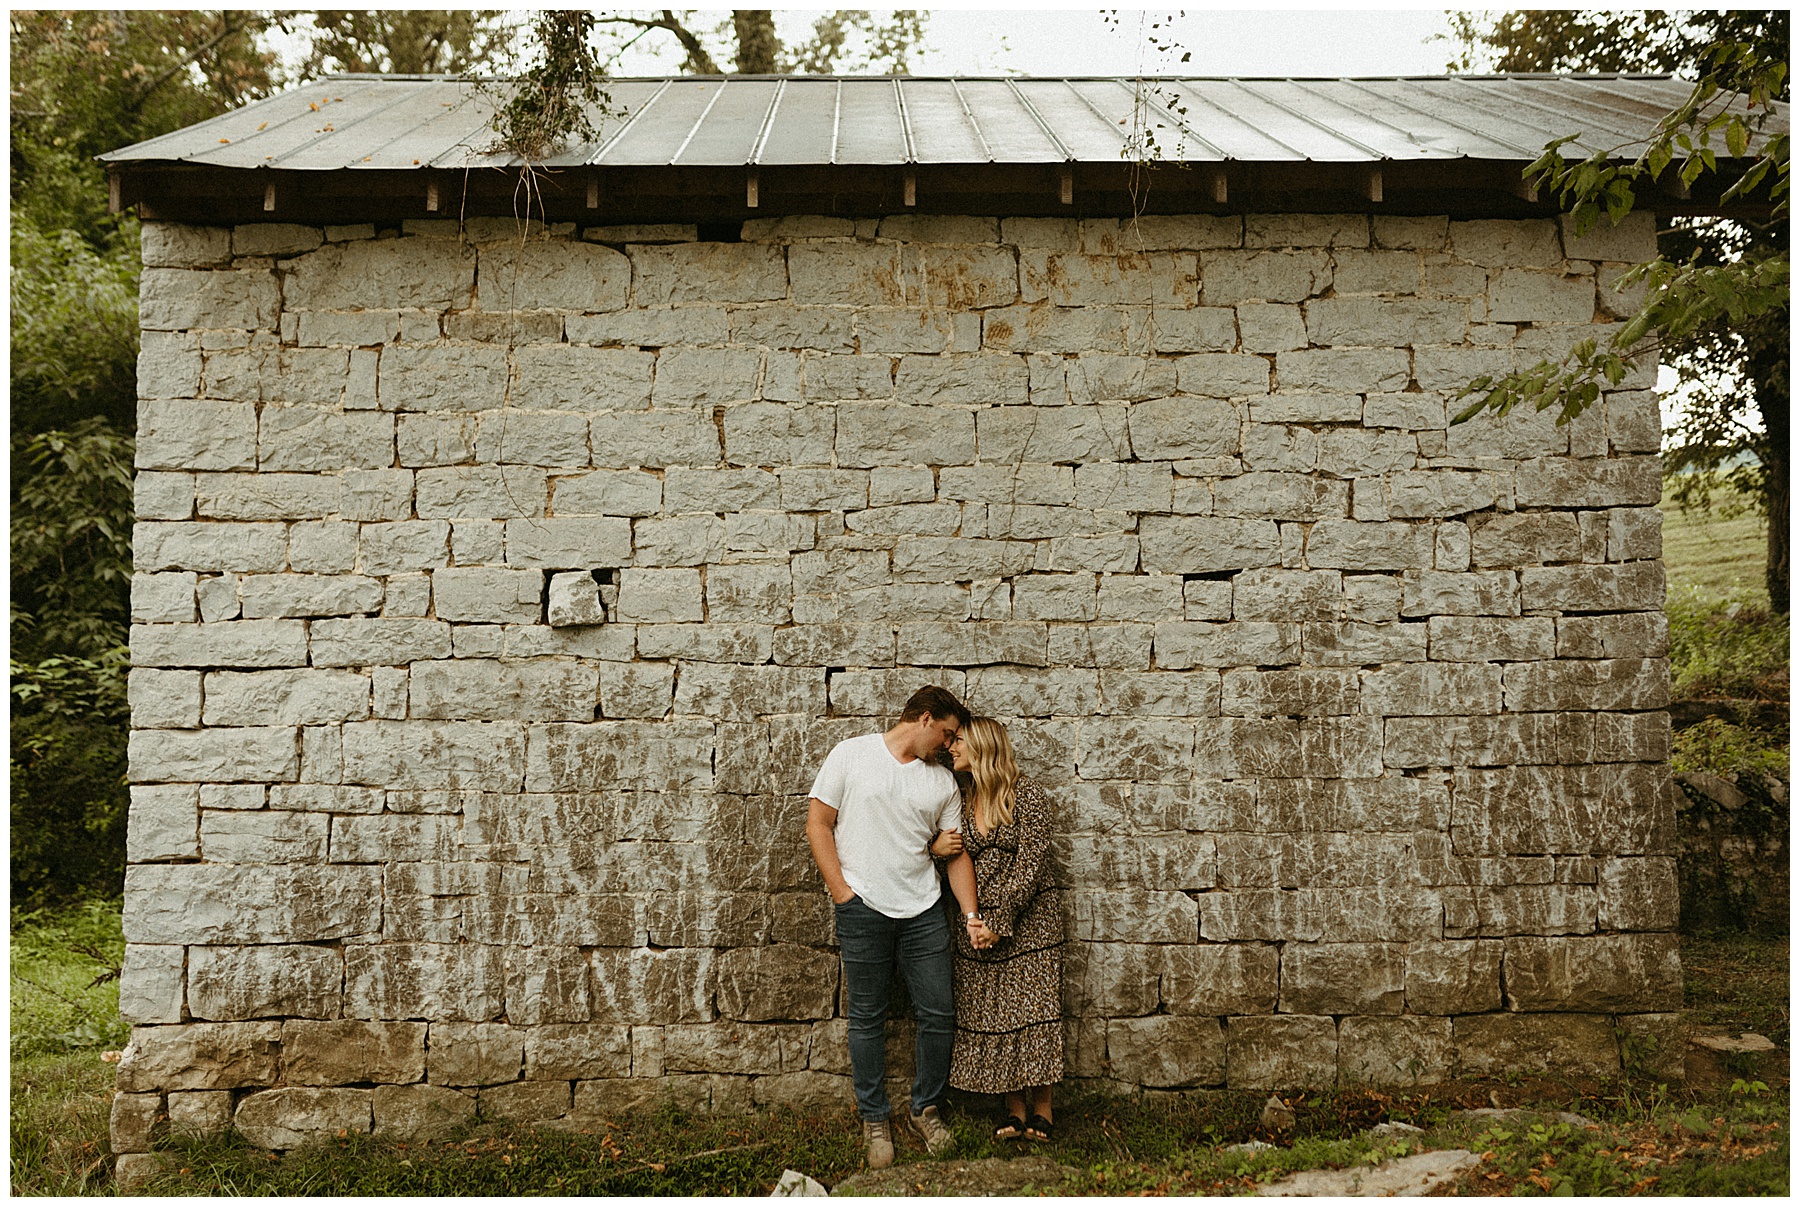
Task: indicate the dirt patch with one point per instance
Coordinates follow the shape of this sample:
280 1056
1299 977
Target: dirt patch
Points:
986 1178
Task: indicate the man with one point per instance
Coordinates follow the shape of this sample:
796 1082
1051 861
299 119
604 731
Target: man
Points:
876 805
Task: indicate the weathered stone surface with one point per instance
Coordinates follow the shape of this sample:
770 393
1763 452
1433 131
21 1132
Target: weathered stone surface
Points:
136 1120
295 1115
420 1112
435 754
288 981
572 1051
150 983
1634 586
199 1113
780 982
345 1052
1166 1051
1280 1051
200 1056
641 986
1342 978
433 981
1605 683
1453 977
1594 972
1219 978
1578 1044
474 1054
1394 1050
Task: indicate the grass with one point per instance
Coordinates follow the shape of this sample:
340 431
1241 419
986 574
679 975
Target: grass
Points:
64 974
1716 553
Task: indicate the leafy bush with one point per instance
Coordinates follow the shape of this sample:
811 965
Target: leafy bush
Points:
65 979
1730 649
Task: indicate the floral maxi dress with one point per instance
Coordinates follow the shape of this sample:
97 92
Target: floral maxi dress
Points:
1009 997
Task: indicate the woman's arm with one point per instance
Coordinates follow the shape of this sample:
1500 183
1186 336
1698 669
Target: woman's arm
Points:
961 870
1012 889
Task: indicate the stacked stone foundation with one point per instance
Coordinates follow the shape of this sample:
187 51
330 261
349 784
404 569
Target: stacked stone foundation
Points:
501 588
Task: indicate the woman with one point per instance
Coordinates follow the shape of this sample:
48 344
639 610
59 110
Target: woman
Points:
1008 972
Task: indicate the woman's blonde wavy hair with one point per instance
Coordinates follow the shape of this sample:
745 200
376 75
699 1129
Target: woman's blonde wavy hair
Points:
993 772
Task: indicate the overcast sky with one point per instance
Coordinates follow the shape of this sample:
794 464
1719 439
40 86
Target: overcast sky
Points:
1035 40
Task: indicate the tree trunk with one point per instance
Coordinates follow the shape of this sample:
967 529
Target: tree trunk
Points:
756 40
1766 367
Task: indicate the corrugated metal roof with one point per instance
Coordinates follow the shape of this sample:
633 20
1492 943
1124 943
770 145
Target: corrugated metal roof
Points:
388 122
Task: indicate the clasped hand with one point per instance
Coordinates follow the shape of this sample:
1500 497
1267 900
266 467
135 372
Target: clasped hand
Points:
980 937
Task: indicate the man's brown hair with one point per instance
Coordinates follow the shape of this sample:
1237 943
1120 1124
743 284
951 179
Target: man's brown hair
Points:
936 702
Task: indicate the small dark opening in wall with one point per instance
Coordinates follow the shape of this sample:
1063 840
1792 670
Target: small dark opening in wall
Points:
1211 576
605 578
720 232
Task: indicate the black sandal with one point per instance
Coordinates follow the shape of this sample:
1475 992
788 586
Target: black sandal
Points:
1039 1130
1009 1127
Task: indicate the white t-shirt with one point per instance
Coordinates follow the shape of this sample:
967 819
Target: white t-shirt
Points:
888 813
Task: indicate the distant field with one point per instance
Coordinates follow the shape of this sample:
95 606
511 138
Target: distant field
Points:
1715 555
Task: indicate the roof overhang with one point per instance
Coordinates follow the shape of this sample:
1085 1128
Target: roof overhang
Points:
718 149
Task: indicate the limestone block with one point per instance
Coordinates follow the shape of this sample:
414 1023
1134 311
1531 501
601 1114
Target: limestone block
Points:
229 983
386 837
294 1115
289 697
1383 322
706 642
164 699
166 598
588 543
1434 592
187 434
1280 1052
197 903
1184 645
1065 279
1063 434
435 439
533 438
935 643
1169 861
1342 978
215 547
1492 639
173 245
708 272
1158 693
607 492
619 754
1290 595
262 836
428 274
528 1102
435 754
636 689
1394 1051
443 377
1268 327
1453 976
1131 916
574 599
1183 426
407 545
551 275
420 1112
1275 448
488 594
1219 978
735 1047
448 982
1503 242
743 693
1633 532
1198 544
343 1052
750 592
1589 482
643 986
653 438
474 1054
250 753
1022 692
1281 496
480 492
1631 240
304 439
1621 808
1634 586
1605 684
173 299
1525 538
1166 1051
135 1122
1593 972
1230 277
1289 693
1216 375
960 277
1432 689
1639 894
199 1113
880 693
871 434
168 365
200 1056
650 595
1111 979
1351 545
1371 598
1138 597
378 641
1571 1044
1342 370
376 494
150 983
771 434
785 981
568 1051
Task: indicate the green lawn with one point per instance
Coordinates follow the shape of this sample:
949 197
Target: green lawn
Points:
1713 555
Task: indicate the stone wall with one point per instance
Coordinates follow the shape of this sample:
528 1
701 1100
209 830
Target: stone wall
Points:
499 592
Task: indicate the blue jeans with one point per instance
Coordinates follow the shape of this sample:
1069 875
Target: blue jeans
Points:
872 945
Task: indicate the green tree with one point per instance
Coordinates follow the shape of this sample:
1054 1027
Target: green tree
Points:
1717 294
843 40
414 41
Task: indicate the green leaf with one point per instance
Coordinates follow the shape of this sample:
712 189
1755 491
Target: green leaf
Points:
1737 137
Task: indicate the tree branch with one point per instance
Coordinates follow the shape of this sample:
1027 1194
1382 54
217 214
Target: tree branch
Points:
193 56
698 61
